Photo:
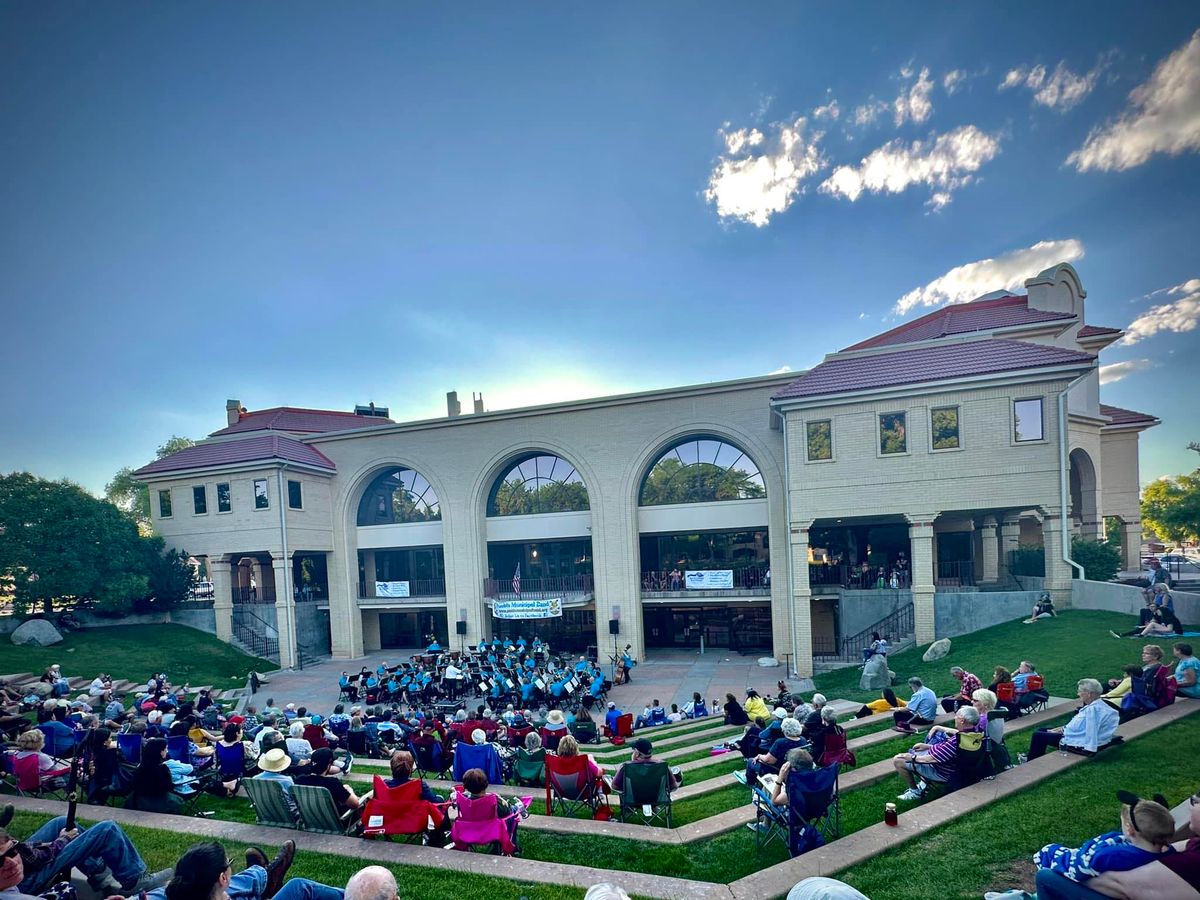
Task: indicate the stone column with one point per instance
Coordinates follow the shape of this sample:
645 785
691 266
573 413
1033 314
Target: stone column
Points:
1010 538
989 568
256 572
1058 570
370 631
920 538
801 601
369 573
222 579
1131 545
285 612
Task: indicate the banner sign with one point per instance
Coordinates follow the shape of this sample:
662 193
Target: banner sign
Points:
527 609
391 589
709 579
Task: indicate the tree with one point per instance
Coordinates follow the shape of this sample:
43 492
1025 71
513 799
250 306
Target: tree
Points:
132 496
1101 560
1171 506
58 543
670 481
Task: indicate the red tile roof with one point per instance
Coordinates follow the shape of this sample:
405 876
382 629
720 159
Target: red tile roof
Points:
1088 331
300 421
920 364
1121 416
260 448
963 318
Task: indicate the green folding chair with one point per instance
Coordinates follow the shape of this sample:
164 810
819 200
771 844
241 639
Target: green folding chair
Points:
585 732
319 813
270 803
530 768
646 793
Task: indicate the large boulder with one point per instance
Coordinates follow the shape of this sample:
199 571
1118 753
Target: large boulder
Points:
36 633
937 650
875 676
768 662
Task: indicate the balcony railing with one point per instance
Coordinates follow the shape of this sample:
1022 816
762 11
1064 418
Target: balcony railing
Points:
955 573
417 587
747 578
856 578
562 586
264 594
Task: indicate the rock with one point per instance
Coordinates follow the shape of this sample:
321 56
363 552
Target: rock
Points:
875 676
937 650
36 633
768 662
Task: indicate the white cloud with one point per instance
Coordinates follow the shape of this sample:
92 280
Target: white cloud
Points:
944 163
1178 316
760 175
1061 89
870 111
1005 272
830 110
780 371
913 102
1163 116
861 316
953 80
1114 372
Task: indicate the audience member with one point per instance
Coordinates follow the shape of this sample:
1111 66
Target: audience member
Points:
968 685
1187 671
1092 727
921 710
933 761
643 754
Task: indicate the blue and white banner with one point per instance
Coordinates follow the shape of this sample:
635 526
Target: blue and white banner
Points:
709 579
391 589
527 609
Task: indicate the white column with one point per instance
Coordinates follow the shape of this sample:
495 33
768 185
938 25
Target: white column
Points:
1058 570
920 537
989 550
801 600
221 577
1131 545
1010 538
285 612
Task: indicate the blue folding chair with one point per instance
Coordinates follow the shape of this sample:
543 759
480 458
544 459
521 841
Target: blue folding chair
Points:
179 748
130 748
814 812
478 756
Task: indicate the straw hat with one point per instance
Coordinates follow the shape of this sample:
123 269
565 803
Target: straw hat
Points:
274 761
555 717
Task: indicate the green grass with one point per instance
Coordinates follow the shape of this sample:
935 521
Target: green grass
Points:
1073 646
135 652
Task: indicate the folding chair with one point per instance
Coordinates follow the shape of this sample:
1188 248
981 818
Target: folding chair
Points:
315 735
1006 693
371 729
972 763
318 812
1035 691
130 748
570 787
429 756
270 803
836 750
585 731
623 729
356 742
30 782
100 767
55 746
478 756
646 792
699 710
479 824
400 812
530 768
179 748
814 810
516 736
231 764
770 821
551 737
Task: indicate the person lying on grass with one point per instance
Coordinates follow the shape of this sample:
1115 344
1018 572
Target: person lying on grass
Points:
933 761
886 703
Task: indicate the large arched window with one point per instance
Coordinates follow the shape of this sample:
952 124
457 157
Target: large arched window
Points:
701 470
396 496
538 483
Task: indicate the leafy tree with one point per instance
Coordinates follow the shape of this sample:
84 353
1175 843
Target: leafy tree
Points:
945 428
405 508
1171 506
893 435
512 498
1101 560
670 481
132 496
820 440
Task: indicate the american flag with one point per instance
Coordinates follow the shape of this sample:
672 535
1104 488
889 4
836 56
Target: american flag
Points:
517 581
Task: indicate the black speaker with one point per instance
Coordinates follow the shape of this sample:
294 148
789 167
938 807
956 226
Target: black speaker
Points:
614 626
460 627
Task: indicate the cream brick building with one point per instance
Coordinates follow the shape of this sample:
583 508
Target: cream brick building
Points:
762 514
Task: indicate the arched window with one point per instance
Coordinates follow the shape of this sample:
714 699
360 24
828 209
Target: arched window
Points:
701 470
538 483
396 496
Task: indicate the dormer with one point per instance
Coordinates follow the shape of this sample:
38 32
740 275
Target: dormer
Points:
1057 290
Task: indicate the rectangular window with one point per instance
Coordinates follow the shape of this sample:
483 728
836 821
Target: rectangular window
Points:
200 500
1027 420
295 498
261 500
820 439
224 498
944 427
893 433
164 504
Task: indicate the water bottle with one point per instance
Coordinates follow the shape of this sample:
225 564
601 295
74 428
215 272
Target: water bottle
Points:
889 814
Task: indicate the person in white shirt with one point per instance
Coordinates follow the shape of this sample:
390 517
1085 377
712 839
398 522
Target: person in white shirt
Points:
1092 727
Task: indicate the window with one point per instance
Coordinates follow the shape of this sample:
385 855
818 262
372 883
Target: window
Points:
702 470
893 433
164 504
261 499
295 498
200 500
398 495
538 483
944 427
1027 420
224 499
820 440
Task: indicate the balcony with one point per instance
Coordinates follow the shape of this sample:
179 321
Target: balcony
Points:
571 589
749 581
419 589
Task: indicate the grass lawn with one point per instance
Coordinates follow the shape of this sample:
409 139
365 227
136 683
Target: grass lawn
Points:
1075 645
135 652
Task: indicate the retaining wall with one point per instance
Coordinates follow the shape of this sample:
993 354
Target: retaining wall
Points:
1125 598
955 614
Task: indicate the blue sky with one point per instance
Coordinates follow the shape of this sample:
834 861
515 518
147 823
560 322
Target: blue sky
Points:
321 205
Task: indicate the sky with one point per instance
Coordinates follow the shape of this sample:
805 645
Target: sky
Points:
320 205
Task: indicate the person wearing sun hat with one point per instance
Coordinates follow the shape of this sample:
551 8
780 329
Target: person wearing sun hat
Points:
272 766
556 721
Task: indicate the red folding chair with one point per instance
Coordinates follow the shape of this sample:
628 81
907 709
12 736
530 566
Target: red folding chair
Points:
623 730
836 751
30 782
571 787
1006 692
400 811
315 735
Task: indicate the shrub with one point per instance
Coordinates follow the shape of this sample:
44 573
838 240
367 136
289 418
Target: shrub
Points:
1028 559
1100 560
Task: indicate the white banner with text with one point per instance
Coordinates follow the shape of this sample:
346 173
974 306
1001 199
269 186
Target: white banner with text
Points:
709 579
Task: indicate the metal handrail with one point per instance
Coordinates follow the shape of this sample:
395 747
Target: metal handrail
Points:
895 625
418 587
745 578
539 588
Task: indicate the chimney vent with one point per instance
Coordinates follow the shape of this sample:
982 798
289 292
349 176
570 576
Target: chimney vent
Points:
478 401
453 407
233 411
